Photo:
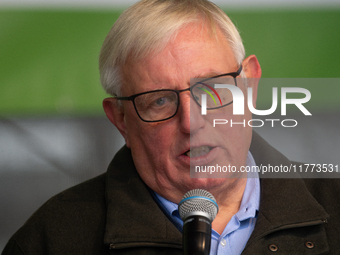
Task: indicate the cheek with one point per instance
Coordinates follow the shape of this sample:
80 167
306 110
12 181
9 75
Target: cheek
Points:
149 138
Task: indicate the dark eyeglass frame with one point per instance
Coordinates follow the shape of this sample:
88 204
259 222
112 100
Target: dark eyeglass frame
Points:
132 97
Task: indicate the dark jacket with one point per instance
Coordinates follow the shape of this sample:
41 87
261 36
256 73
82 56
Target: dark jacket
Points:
115 214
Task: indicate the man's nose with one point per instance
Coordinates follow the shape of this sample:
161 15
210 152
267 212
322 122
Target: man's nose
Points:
190 114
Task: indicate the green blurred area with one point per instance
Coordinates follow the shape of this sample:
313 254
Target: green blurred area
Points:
49 58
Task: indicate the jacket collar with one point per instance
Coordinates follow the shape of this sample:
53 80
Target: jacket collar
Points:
284 203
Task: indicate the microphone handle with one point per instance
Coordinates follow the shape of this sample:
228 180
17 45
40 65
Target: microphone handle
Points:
196 235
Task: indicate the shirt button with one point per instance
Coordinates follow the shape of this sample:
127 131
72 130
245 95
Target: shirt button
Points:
223 242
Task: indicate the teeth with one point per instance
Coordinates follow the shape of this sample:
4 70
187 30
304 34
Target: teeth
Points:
198 151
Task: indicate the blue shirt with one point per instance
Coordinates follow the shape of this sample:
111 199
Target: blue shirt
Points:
237 232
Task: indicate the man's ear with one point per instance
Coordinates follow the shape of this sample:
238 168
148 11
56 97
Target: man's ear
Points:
116 115
253 72
251 67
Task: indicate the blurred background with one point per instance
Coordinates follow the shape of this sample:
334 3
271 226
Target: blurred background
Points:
53 131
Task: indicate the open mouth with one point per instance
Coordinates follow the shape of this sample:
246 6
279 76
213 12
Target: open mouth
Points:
198 151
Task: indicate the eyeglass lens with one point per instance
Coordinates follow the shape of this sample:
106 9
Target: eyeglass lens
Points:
156 105
216 97
163 104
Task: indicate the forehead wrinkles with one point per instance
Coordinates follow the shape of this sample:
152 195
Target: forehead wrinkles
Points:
180 56
175 64
164 69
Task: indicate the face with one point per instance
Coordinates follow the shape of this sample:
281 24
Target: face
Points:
160 150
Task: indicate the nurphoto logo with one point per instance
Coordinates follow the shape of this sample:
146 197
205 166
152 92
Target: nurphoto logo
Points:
238 103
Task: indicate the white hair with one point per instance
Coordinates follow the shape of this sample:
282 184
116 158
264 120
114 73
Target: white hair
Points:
149 25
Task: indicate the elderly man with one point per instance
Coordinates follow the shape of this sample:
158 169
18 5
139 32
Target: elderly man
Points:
146 63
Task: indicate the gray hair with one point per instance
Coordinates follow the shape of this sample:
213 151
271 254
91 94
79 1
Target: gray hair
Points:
147 27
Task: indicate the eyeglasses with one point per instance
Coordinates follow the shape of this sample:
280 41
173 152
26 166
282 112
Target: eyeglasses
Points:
163 104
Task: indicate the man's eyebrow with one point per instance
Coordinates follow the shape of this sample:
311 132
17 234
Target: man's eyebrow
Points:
207 75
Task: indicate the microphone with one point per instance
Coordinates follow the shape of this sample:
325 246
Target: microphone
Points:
198 208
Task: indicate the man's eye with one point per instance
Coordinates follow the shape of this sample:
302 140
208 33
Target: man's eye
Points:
161 101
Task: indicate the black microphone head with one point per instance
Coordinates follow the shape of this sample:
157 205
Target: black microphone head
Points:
198 202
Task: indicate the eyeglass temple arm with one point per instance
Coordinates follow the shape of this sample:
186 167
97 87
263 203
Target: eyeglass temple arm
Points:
122 98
